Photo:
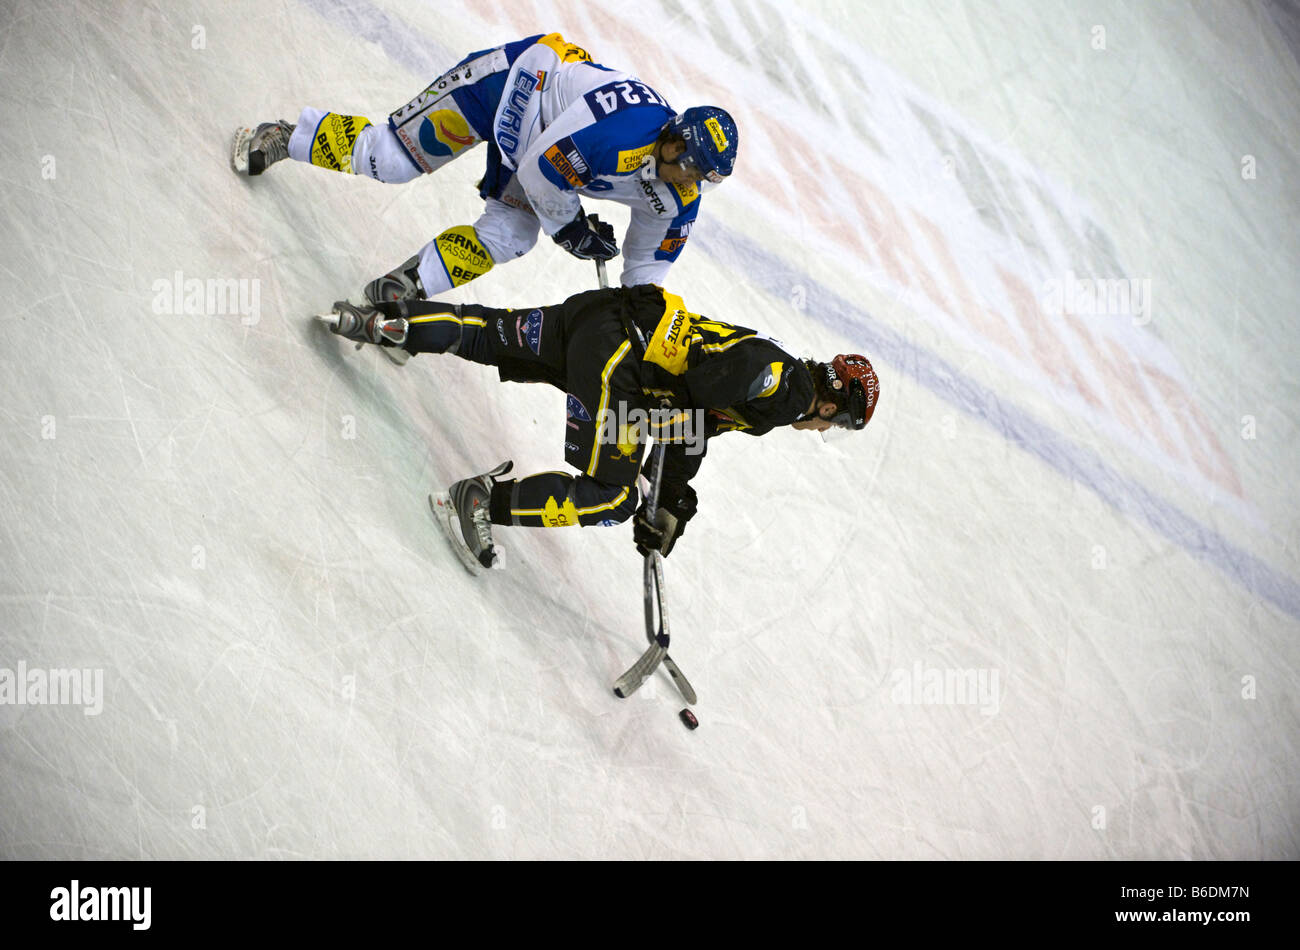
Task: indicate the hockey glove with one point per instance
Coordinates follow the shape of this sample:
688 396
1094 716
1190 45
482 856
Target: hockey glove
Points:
588 239
676 507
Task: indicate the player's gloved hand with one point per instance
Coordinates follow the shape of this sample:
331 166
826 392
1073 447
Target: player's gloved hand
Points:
676 507
587 238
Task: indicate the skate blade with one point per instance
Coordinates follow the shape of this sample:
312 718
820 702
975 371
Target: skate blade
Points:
396 355
331 320
444 512
239 151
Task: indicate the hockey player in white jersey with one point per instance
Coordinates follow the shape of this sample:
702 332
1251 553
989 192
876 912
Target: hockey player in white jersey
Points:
558 126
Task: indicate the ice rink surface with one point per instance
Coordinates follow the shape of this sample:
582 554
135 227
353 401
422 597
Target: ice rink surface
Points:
1045 606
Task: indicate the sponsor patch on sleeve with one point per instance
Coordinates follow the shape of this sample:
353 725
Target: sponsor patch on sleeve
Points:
632 159
574 409
673 242
528 329
686 193
565 158
767 383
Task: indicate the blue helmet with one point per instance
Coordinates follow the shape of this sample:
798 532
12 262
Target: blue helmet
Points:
711 140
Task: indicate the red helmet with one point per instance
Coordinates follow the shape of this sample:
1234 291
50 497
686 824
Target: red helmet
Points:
853 376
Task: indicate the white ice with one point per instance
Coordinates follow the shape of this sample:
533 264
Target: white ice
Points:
224 511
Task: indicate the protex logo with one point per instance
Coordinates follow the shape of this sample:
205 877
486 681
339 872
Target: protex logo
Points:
102 903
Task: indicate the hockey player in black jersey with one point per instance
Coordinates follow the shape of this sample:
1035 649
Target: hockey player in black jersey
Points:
634 362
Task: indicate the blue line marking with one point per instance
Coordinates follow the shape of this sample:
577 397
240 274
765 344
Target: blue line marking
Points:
1076 462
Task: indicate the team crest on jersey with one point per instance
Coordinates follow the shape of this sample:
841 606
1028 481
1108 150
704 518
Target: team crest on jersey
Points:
445 133
574 409
529 329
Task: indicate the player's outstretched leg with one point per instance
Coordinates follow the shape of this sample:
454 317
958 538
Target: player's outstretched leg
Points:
253 151
462 510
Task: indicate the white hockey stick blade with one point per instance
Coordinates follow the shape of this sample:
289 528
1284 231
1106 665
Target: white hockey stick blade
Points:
444 512
631 681
680 681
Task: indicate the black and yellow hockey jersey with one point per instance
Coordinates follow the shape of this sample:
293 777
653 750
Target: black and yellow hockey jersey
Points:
739 379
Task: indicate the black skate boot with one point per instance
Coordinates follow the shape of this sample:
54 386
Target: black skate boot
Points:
253 151
462 511
368 325
401 283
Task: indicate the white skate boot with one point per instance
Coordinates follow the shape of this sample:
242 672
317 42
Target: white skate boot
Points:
253 151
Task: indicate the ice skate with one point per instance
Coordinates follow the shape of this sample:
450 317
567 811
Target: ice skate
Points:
401 283
253 151
462 511
367 325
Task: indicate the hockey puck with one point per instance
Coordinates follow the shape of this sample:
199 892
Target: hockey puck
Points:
688 719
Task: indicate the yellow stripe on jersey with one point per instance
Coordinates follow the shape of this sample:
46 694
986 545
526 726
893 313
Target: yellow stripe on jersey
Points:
444 317
608 506
610 366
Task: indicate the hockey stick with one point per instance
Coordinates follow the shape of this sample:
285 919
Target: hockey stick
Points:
653 576
660 639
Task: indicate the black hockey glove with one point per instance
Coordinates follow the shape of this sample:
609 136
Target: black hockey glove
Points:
589 239
676 507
